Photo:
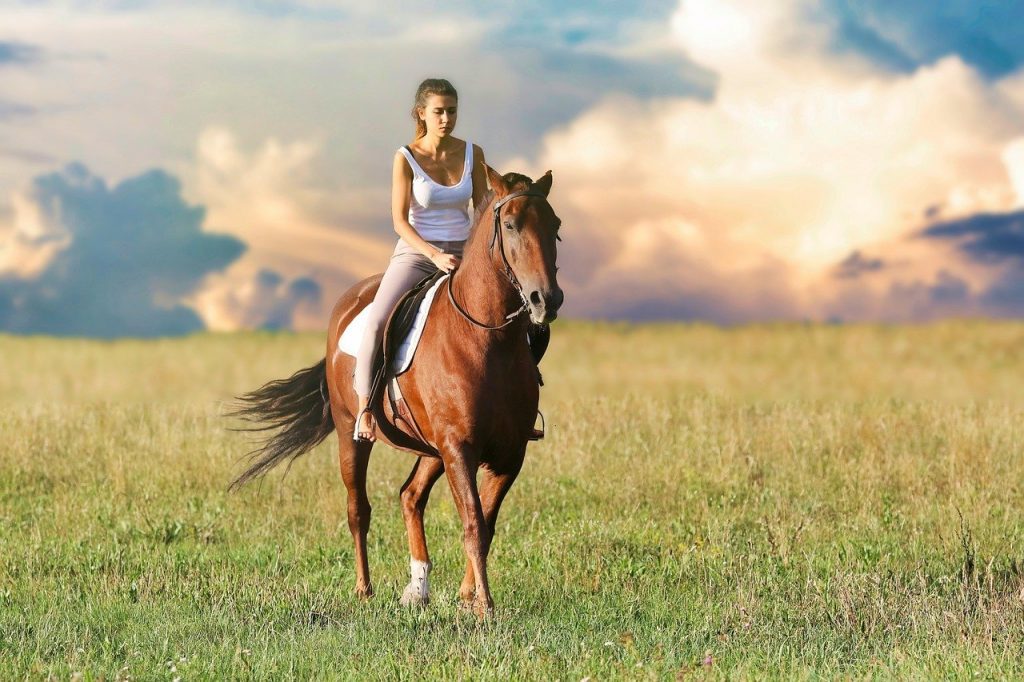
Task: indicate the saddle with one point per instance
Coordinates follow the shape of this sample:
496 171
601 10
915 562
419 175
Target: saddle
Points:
395 329
402 430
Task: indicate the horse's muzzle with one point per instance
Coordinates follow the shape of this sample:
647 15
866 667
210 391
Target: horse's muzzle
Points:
544 307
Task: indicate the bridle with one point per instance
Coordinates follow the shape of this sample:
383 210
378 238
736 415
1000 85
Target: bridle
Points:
509 273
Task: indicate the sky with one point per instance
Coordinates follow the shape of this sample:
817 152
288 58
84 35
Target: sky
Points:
168 167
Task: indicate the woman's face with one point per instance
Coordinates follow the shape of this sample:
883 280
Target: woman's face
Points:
439 114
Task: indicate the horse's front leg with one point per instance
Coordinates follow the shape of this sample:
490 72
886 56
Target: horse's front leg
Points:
493 488
460 465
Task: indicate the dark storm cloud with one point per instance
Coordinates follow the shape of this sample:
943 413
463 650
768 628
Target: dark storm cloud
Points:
133 252
902 35
856 264
985 237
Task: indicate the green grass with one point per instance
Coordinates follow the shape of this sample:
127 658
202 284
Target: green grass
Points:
793 501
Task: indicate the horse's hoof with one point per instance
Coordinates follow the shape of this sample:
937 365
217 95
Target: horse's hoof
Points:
483 610
362 592
478 607
412 597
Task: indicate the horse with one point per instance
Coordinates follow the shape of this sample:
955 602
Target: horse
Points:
472 388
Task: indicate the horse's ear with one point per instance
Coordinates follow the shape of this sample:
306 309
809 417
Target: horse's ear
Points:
498 183
544 184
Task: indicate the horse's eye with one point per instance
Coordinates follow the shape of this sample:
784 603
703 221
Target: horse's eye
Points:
508 225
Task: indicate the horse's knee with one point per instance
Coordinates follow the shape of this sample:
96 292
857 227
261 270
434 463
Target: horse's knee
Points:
474 532
358 515
411 499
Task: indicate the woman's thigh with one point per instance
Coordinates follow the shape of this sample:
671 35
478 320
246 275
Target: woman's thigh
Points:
406 268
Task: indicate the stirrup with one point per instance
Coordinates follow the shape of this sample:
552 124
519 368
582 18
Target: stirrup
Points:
535 433
355 431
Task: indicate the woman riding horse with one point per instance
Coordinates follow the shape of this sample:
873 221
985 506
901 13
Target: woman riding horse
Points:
433 179
473 387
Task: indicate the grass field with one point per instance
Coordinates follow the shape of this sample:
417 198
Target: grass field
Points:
788 501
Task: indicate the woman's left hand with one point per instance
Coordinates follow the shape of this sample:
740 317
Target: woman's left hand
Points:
446 261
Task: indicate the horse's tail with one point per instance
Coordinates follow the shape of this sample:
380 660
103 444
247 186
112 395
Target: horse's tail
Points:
298 405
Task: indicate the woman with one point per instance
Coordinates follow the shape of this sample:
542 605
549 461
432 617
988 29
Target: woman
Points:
433 179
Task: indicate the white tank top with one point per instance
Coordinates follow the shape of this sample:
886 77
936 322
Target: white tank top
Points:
439 212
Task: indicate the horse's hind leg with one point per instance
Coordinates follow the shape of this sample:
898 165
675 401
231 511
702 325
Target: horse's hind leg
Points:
493 488
414 496
353 458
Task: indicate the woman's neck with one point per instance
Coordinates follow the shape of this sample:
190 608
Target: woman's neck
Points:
432 144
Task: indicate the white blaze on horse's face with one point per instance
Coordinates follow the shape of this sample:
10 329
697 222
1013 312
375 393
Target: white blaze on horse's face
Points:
417 592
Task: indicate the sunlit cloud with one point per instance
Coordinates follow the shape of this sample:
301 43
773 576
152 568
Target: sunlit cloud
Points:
271 199
803 157
727 160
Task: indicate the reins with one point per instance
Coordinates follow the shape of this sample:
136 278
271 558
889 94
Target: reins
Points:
509 273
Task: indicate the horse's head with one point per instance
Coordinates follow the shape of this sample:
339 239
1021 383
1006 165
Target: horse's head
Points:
526 228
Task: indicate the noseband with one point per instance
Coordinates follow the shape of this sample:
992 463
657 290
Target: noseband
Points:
497 236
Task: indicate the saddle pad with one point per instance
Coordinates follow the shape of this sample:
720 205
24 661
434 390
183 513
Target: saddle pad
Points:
353 334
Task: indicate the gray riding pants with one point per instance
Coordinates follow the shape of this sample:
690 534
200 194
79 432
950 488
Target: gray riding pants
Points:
407 267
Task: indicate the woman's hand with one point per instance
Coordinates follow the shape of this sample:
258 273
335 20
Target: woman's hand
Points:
445 261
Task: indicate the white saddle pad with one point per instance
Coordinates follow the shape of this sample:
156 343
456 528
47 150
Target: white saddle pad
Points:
353 334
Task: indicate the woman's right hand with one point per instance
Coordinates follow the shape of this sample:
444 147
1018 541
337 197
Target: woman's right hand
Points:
445 261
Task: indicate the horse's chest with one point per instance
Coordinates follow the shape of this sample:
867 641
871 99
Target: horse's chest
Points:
494 394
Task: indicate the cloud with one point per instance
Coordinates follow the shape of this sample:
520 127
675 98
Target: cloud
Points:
266 302
294 227
856 264
994 240
656 274
82 258
725 159
18 53
1005 296
10 110
803 157
850 35
988 36
340 72
986 237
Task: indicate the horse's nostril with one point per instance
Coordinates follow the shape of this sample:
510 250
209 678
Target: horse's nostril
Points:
535 298
555 300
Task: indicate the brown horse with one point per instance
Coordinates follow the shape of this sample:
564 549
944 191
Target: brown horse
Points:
472 388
